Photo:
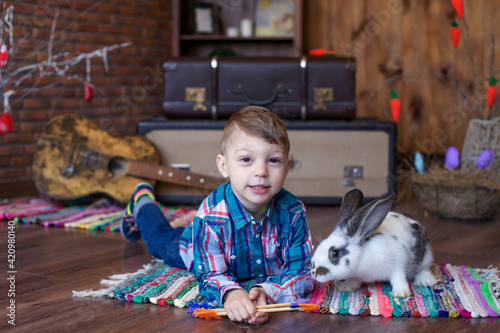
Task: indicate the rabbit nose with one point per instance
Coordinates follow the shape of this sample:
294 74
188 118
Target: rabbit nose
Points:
321 271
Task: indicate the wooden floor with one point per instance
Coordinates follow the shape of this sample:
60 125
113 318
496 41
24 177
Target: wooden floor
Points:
51 263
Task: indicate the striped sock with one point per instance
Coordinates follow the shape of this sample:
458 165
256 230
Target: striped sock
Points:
143 193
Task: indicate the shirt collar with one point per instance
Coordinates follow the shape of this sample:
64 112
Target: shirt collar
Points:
240 215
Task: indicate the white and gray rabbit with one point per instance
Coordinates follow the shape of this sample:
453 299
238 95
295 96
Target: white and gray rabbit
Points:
371 244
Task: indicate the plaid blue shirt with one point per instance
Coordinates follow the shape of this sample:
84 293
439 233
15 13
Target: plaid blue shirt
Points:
227 248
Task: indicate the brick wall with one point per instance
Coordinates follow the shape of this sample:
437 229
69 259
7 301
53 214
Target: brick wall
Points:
130 92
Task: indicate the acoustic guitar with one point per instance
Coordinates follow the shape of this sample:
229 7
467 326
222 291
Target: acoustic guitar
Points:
75 158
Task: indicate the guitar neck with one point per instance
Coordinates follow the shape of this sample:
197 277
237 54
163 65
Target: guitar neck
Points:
172 175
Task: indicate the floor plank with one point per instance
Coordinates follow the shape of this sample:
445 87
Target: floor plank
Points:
52 262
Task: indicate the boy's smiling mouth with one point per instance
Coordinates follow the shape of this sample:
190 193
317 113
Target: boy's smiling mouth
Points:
259 189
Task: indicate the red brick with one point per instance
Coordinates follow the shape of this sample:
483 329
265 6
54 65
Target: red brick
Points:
12 173
65 103
20 160
7 150
4 162
105 7
33 115
36 103
84 27
31 126
14 138
130 11
30 148
81 6
108 29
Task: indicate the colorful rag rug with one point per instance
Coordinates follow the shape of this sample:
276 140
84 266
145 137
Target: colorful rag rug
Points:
461 292
102 214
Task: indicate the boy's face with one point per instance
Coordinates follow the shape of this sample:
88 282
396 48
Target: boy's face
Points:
257 170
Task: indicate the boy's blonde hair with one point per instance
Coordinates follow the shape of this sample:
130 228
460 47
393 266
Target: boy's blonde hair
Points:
259 122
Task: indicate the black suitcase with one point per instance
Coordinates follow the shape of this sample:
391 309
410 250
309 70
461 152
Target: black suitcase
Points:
302 88
329 158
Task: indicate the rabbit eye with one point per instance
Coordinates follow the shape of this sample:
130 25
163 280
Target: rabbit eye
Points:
333 254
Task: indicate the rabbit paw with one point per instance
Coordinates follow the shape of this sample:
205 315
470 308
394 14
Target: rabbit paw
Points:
425 278
401 292
400 288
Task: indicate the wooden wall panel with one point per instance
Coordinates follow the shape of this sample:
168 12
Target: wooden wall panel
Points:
405 45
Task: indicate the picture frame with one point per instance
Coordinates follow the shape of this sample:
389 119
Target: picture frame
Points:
205 20
274 18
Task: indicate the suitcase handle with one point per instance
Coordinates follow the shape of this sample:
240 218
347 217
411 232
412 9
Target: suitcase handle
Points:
262 102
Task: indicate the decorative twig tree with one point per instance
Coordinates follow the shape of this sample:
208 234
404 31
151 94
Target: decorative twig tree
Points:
13 76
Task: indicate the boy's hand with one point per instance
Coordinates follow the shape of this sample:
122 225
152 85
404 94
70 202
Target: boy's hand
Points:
259 297
240 305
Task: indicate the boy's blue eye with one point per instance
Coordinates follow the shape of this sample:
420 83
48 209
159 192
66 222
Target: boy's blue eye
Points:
274 160
245 159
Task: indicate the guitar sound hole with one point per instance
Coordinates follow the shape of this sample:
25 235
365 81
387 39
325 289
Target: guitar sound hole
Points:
118 166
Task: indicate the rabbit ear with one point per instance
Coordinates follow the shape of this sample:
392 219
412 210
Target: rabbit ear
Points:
350 204
371 215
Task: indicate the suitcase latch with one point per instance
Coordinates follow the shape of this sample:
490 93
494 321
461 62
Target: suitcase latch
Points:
322 95
352 172
196 95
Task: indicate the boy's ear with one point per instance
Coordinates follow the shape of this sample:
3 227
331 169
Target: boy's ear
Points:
289 165
221 164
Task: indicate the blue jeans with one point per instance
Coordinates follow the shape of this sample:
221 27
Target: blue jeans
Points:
160 238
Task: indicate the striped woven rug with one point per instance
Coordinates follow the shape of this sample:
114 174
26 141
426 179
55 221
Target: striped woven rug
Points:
461 292
102 214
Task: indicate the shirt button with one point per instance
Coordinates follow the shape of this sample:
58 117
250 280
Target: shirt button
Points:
257 235
261 275
254 223
278 244
233 257
259 261
200 267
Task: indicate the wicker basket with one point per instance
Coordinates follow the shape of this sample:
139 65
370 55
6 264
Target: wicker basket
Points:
464 199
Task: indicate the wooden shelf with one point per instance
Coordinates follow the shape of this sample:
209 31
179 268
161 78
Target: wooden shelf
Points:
224 38
187 44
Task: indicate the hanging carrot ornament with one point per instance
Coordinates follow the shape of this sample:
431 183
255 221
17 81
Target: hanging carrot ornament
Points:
491 92
455 34
395 106
458 5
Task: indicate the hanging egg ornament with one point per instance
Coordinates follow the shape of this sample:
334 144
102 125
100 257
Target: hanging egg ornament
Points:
4 54
6 122
452 158
419 162
88 93
484 159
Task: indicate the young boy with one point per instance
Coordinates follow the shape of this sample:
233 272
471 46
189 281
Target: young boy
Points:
248 233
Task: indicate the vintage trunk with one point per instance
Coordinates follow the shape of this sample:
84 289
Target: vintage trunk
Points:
329 158
305 88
